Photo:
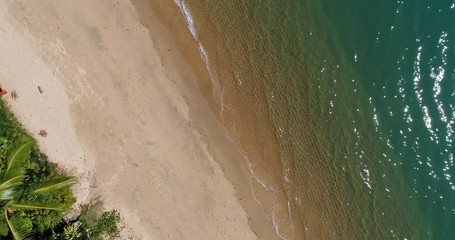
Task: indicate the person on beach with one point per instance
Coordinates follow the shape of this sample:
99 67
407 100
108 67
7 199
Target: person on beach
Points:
3 91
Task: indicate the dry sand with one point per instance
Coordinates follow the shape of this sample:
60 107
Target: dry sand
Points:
124 113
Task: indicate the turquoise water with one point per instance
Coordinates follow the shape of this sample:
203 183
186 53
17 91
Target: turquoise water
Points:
344 110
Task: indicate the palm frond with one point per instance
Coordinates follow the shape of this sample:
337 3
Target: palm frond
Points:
72 232
36 205
55 184
17 226
8 188
6 194
4 230
30 199
19 154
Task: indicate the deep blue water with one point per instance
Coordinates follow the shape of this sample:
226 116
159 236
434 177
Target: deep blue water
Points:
405 57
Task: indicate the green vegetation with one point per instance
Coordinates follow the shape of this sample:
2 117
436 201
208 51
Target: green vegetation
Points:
26 206
98 223
72 232
34 195
93 224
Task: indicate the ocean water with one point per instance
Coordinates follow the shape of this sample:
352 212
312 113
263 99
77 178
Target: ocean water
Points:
344 110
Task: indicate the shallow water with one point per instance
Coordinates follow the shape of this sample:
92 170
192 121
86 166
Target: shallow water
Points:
344 110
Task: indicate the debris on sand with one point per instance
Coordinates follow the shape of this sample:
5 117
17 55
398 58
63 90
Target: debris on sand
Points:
43 133
14 94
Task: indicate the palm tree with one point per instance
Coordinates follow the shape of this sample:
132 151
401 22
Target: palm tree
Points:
15 195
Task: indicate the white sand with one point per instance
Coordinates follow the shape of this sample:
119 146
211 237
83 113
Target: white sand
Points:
124 118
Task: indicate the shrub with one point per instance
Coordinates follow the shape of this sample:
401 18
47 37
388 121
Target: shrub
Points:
98 225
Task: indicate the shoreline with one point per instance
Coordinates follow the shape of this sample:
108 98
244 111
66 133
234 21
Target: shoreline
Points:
235 168
267 189
135 113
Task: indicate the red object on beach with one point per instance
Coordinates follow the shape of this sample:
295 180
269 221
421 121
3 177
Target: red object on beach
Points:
3 91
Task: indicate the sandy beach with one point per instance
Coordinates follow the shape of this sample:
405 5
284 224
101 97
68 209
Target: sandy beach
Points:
128 116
